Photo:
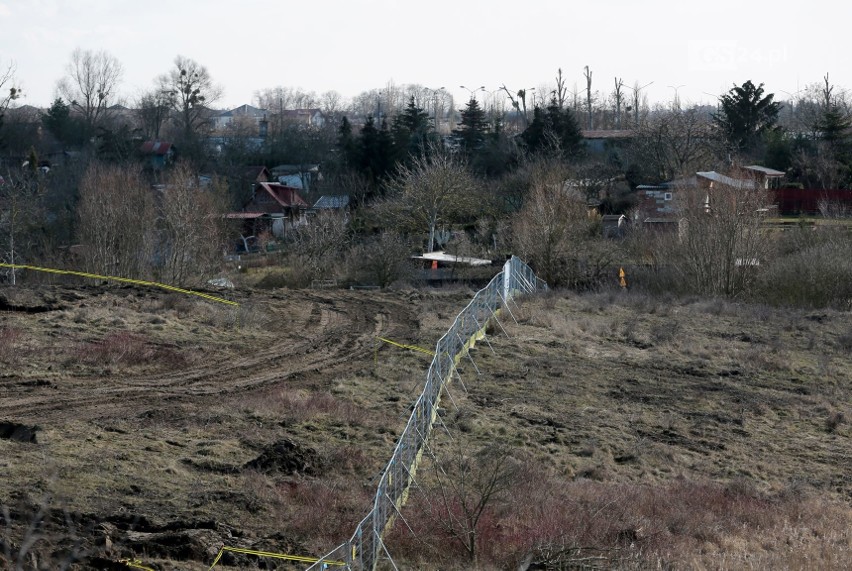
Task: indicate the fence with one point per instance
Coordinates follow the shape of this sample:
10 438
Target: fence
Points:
362 551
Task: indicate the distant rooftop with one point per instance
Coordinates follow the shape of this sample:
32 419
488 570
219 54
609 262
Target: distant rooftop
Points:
330 202
765 170
607 133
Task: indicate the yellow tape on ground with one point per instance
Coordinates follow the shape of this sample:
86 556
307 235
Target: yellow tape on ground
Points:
135 564
122 280
297 558
404 346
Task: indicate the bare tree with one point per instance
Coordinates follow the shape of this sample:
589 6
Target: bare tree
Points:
381 260
555 233
277 99
153 108
8 90
331 103
116 221
519 103
91 84
722 244
436 188
618 98
672 143
561 91
319 247
638 99
191 92
468 484
21 197
191 227
587 73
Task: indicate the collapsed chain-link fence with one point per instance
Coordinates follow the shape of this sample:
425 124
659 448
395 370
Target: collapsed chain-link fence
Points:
365 547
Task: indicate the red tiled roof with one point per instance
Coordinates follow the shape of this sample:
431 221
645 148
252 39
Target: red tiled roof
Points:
284 195
155 147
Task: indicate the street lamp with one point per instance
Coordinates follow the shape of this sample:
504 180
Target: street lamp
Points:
717 98
676 102
491 99
473 91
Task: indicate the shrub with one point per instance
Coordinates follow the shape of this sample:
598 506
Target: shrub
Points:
127 349
8 343
814 269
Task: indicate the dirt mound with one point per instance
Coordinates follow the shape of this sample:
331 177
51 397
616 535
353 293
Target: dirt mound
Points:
18 432
287 457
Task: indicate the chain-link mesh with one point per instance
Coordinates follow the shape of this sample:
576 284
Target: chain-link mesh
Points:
363 549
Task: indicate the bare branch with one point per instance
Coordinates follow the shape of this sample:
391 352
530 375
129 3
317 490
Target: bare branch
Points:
91 84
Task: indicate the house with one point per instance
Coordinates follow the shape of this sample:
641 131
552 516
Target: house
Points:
655 201
305 117
273 208
712 179
158 153
256 174
302 177
767 178
227 118
599 141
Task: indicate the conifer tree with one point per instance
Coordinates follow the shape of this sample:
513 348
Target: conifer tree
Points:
411 130
470 136
746 115
551 129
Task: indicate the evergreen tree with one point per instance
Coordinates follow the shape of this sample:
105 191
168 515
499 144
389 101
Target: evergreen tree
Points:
346 143
411 130
746 115
553 128
470 136
833 126
61 125
498 155
117 145
374 154
835 142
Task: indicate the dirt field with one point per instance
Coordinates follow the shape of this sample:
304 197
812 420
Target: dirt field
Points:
159 426
650 433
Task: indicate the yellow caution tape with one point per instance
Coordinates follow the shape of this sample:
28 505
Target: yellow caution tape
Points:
404 346
298 558
135 564
117 279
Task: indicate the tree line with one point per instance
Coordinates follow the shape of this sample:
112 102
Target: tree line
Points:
488 180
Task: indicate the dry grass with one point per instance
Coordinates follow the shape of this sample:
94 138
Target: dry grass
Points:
654 433
661 434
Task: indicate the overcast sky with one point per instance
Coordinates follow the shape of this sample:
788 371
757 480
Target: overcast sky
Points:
356 45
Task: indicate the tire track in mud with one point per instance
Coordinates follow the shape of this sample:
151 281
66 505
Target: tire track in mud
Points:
338 330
